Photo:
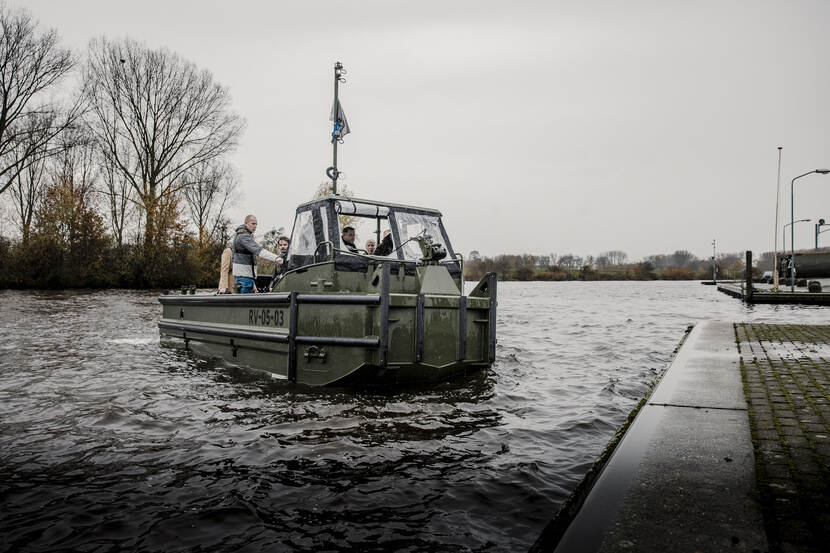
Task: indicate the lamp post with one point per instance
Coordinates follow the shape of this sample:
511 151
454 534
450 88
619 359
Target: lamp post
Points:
792 222
714 264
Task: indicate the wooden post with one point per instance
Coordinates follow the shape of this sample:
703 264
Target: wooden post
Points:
748 274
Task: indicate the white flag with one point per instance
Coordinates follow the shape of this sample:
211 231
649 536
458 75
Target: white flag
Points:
341 126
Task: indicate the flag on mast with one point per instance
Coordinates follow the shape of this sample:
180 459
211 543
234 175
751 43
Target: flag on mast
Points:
341 126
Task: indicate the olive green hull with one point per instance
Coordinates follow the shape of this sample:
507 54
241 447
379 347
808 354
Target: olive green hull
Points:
369 332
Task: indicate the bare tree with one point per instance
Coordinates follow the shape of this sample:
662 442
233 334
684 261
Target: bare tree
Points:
30 64
683 258
569 260
211 188
613 257
27 185
76 161
324 191
156 117
71 159
659 261
71 197
119 200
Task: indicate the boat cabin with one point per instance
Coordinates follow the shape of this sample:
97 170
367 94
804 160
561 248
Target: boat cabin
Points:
418 237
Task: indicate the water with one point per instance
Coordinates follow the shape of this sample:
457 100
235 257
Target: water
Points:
110 441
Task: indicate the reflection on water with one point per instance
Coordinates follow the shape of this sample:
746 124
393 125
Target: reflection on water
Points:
110 441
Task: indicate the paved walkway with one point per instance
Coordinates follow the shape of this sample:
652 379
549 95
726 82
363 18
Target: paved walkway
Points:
730 453
786 373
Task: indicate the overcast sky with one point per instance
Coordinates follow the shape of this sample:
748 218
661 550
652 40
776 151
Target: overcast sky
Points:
534 126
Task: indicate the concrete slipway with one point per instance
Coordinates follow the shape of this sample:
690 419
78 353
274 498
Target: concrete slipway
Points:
682 478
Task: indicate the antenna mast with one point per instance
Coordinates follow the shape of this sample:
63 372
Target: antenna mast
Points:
336 136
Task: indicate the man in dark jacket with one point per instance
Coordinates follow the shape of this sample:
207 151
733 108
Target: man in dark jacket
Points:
347 236
245 252
385 247
283 244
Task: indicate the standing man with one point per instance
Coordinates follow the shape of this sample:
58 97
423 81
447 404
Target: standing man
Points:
245 252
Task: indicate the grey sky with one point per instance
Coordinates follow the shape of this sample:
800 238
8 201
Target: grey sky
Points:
535 127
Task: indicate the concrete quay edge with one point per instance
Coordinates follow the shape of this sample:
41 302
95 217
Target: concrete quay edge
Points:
682 478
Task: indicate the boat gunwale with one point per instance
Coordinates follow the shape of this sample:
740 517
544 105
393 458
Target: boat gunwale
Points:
242 300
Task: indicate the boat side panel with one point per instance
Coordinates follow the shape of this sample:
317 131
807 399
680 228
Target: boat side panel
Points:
401 332
440 339
323 364
268 356
354 329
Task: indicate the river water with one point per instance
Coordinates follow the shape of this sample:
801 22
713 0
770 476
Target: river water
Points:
112 441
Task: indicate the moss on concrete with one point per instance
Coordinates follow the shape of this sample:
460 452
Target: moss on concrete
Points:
785 372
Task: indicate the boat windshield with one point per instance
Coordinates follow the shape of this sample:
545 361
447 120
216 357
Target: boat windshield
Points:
405 226
319 226
412 225
309 237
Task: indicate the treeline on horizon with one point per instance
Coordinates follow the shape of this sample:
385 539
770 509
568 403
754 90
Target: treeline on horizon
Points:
612 265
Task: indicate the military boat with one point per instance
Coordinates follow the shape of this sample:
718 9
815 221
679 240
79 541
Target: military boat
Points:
341 317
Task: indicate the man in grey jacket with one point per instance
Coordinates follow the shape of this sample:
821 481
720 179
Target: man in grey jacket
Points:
245 252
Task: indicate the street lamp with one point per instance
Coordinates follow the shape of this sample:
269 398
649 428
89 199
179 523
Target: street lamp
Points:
714 264
792 222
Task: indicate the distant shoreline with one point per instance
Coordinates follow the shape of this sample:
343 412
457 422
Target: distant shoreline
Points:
637 273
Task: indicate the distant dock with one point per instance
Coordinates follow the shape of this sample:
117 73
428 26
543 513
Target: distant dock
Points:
756 294
749 291
731 452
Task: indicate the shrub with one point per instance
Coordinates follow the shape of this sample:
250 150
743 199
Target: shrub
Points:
678 273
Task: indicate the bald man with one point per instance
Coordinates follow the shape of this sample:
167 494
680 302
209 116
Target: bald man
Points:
245 252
